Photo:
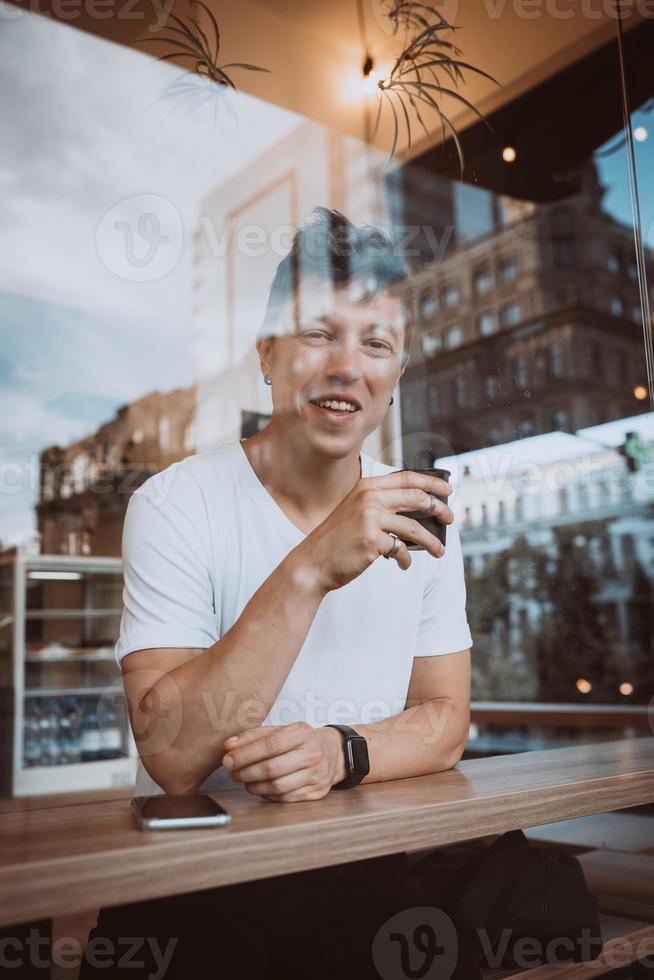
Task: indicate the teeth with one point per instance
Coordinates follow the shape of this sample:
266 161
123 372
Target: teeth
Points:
338 406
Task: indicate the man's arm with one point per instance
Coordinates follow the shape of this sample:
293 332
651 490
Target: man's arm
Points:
431 733
428 736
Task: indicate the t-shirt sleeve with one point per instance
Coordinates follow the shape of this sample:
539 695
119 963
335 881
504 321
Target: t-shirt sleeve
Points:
443 622
167 583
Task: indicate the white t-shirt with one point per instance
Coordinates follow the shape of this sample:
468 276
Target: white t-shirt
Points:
199 539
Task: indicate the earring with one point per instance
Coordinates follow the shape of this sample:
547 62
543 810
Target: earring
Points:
391 401
267 380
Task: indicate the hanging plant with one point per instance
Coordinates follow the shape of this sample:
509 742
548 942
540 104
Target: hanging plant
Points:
189 40
428 69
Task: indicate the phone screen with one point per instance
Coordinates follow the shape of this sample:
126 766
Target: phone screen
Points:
173 807
179 808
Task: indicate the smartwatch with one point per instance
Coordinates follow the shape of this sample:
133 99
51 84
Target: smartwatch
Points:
357 763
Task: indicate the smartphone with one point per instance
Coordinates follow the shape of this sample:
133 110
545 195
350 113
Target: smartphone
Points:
178 812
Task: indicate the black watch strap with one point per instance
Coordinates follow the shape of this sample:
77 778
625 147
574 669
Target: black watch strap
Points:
357 762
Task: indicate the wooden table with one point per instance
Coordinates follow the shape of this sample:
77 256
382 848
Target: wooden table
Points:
65 858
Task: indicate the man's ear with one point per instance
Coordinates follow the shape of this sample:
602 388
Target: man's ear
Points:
264 350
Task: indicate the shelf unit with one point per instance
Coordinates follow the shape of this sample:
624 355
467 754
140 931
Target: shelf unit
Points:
59 621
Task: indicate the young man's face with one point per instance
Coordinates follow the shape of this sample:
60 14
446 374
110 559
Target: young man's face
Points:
343 349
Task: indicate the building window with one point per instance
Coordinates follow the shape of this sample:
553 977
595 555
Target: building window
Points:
563 252
508 270
510 315
486 324
484 515
494 436
636 314
559 420
501 512
467 517
554 361
617 306
453 337
428 304
561 221
491 387
614 260
450 296
521 372
526 426
460 391
482 281
433 399
593 352
431 342
137 436
564 500
632 272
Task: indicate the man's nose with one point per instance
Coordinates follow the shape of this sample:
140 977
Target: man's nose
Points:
344 363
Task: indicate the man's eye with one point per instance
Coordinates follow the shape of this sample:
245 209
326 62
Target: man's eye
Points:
314 335
380 345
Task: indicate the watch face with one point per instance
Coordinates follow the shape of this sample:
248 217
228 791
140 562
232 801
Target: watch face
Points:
359 755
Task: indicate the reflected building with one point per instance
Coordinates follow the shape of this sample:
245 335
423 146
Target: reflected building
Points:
534 325
561 499
85 487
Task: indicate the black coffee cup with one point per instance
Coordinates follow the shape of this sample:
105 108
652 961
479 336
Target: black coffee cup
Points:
430 523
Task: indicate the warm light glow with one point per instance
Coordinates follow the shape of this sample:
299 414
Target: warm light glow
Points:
640 392
626 689
640 134
509 154
370 83
584 686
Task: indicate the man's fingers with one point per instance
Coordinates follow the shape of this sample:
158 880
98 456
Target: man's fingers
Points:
269 768
264 743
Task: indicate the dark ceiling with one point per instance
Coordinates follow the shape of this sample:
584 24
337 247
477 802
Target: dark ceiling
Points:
554 127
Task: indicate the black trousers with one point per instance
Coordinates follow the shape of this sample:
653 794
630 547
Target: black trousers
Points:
366 919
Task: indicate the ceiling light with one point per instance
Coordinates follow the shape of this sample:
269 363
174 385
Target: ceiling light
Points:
584 686
509 154
640 134
626 689
55 576
640 392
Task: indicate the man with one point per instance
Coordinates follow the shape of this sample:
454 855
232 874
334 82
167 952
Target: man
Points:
256 612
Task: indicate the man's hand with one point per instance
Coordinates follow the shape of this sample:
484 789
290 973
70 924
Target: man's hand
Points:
286 763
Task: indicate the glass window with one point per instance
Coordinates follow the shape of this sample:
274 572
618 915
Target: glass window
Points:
431 342
486 324
482 281
433 399
521 372
460 391
511 314
526 426
614 259
453 337
617 306
554 359
559 419
428 303
491 386
508 270
450 295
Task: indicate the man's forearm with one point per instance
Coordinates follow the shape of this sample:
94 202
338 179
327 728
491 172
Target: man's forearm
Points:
428 737
190 711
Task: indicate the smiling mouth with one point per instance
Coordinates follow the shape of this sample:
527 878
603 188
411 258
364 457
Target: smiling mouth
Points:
343 406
